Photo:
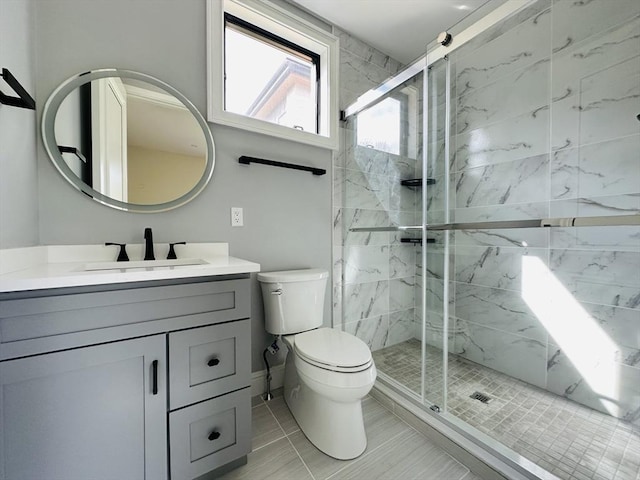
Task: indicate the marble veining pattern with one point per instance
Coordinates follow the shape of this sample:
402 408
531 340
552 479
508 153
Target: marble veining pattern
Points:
628 204
365 300
348 218
521 181
623 238
526 90
522 211
513 237
523 45
498 267
575 21
604 277
503 310
580 172
573 64
373 331
517 356
608 99
479 42
513 139
564 378
401 293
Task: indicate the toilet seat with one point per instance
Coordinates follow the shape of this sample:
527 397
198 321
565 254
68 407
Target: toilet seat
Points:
332 350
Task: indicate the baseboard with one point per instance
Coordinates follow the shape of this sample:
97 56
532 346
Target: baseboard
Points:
259 380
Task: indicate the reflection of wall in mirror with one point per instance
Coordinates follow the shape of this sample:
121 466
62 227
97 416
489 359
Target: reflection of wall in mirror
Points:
159 177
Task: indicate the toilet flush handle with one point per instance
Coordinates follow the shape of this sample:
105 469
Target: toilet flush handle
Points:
277 291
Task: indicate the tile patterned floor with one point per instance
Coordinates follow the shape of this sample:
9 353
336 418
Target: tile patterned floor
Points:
395 450
569 440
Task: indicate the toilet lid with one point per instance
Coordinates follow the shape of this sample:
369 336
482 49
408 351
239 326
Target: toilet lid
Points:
332 347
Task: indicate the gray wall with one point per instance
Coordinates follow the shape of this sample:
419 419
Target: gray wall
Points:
18 182
287 213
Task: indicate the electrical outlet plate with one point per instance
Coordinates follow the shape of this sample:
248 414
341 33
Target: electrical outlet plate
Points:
237 217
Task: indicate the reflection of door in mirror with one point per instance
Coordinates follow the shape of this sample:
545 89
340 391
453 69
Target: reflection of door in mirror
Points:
109 137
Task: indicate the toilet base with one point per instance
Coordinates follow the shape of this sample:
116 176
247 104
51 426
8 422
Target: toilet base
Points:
335 428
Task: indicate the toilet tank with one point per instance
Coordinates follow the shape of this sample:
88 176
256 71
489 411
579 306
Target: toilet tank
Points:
293 300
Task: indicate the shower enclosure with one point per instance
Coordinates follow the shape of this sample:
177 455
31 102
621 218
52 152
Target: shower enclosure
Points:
489 223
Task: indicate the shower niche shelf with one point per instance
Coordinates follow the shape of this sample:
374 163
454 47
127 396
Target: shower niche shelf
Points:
416 182
417 241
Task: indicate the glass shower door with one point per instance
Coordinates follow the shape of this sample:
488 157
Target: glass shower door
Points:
435 253
382 242
542 126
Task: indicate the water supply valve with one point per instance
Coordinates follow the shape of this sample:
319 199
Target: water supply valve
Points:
273 348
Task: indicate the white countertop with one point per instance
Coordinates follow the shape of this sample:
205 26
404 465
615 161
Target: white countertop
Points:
38 268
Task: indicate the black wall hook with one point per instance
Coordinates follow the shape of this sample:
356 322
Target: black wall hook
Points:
24 100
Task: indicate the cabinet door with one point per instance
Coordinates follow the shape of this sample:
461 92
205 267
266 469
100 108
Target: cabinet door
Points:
89 413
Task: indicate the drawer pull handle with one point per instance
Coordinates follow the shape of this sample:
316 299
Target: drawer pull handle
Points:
154 366
213 362
276 292
214 436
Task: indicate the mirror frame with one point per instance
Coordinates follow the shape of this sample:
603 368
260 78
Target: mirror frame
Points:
48 137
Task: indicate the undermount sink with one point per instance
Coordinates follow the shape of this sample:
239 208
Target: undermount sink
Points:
180 262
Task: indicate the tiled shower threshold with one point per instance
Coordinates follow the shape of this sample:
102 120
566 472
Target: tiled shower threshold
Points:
567 439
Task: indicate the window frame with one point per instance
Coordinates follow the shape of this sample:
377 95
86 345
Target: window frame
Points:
283 24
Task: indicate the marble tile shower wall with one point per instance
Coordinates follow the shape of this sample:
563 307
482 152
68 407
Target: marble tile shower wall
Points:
544 125
379 270
374 273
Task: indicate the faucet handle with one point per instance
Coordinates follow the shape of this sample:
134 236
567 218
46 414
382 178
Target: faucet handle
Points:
172 252
122 256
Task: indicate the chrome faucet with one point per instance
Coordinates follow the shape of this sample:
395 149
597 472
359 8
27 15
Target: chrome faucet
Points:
148 245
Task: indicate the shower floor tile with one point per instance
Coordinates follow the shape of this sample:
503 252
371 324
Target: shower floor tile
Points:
568 439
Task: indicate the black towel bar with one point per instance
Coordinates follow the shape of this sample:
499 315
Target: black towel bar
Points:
24 100
247 160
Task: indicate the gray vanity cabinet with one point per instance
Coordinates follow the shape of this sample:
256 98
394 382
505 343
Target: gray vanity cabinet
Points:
104 382
68 415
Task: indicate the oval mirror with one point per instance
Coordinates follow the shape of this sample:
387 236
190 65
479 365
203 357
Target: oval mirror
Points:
128 140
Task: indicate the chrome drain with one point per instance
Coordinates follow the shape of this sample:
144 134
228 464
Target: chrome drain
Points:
484 398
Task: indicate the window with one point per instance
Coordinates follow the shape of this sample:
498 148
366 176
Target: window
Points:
379 126
271 72
391 125
269 78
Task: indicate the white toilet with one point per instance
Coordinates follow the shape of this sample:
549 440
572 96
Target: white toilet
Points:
327 372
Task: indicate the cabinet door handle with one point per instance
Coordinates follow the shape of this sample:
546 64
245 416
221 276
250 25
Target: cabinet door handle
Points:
213 362
154 370
213 436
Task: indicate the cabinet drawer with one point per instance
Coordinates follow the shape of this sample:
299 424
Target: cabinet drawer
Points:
56 322
210 434
208 361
